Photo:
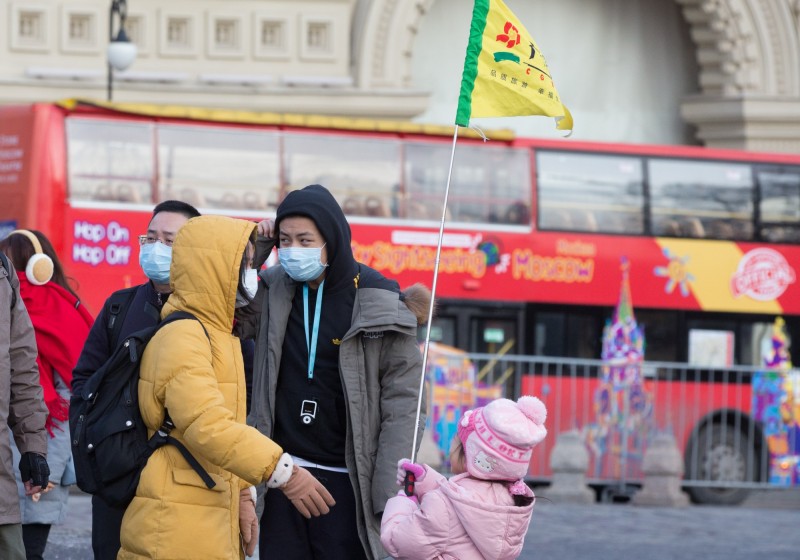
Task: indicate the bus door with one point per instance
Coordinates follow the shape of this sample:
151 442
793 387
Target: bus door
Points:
495 329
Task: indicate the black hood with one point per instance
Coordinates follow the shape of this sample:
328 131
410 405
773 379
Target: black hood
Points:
316 202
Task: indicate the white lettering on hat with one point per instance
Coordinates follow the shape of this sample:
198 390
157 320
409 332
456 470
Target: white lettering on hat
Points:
510 452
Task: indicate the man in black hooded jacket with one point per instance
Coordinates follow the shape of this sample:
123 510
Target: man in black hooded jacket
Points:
336 377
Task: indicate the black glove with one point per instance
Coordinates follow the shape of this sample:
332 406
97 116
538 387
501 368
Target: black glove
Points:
33 467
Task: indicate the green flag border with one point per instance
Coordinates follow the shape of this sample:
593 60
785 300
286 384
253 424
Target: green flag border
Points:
480 12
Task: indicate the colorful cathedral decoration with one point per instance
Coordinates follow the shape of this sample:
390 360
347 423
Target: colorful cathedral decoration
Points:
622 407
776 404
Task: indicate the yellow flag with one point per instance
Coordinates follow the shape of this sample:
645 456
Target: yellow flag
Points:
505 73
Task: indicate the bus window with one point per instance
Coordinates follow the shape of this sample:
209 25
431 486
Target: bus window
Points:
567 335
214 167
587 192
361 173
702 199
477 171
109 161
714 341
661 333
779 204
758 338
443 330
492 335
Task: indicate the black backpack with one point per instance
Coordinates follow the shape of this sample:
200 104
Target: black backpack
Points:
110 446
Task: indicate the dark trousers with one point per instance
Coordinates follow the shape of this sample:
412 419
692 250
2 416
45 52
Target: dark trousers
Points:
106 526
287 535
34 535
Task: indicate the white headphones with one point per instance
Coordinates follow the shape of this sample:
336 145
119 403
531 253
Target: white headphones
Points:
40 267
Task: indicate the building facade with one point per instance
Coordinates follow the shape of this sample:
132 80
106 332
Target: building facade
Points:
724 73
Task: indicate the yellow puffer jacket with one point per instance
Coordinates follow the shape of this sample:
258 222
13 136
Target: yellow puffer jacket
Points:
201 382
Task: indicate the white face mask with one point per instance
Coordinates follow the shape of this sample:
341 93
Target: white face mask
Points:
250 286
251 282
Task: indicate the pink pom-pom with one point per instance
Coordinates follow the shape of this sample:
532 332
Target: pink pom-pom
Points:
533 408
519 488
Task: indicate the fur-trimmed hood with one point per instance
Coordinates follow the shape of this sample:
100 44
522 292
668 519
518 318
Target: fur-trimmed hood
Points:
418 300
381 303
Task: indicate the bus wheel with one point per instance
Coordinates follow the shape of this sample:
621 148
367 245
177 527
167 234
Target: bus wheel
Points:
716 456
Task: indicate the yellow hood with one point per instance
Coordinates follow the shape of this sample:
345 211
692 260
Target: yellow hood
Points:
204 274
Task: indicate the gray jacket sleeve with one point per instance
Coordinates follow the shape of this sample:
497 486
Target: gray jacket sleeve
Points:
401 367
27 412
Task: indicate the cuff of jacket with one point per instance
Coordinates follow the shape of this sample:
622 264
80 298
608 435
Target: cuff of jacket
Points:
282 472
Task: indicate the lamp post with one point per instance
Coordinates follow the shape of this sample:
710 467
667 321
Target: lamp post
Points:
121 52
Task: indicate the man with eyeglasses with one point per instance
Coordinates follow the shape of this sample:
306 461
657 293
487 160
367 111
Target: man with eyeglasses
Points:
124 313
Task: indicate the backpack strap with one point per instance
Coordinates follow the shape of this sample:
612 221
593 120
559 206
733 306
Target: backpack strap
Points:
4 261
178 315
162 437
116 310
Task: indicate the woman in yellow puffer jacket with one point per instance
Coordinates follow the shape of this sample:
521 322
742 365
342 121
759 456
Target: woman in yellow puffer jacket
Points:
200 380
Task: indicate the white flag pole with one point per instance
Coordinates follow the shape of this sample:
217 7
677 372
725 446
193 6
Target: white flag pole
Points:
433 299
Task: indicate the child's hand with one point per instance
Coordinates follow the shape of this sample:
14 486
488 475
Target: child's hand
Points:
404 466
404 495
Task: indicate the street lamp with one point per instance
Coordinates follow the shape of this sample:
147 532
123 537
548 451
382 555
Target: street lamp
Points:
121 52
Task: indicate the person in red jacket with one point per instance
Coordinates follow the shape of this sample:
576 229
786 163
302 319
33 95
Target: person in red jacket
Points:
61 324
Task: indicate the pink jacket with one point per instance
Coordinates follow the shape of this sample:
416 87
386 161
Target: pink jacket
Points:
462 518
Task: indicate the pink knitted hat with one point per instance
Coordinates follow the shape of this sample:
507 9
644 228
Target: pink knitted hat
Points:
498 439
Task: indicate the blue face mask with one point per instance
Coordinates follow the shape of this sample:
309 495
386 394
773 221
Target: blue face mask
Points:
302 263
155 258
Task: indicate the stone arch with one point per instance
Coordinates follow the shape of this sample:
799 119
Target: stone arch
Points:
748 54
749 62
743 46
383 51
746 46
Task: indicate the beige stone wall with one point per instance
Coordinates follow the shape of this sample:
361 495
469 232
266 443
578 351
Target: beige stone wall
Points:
353 57
274 55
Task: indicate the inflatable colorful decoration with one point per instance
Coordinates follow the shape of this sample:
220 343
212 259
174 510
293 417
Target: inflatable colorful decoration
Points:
776 404
453 388
622 407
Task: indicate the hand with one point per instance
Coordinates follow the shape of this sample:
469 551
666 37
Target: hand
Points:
406 466
412 498
34 472
307 494
38 495
266 228
248 520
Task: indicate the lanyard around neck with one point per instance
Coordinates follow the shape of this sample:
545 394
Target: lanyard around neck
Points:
311 345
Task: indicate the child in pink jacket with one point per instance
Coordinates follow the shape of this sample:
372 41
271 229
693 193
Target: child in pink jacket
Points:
484 510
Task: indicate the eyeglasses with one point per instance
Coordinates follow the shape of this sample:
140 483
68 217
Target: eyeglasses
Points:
149 239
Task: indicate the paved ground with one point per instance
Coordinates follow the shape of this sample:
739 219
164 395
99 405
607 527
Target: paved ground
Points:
766 526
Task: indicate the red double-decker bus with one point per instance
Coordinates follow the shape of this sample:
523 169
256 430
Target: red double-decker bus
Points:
536 229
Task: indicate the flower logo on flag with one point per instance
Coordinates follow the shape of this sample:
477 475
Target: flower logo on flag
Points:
509 36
